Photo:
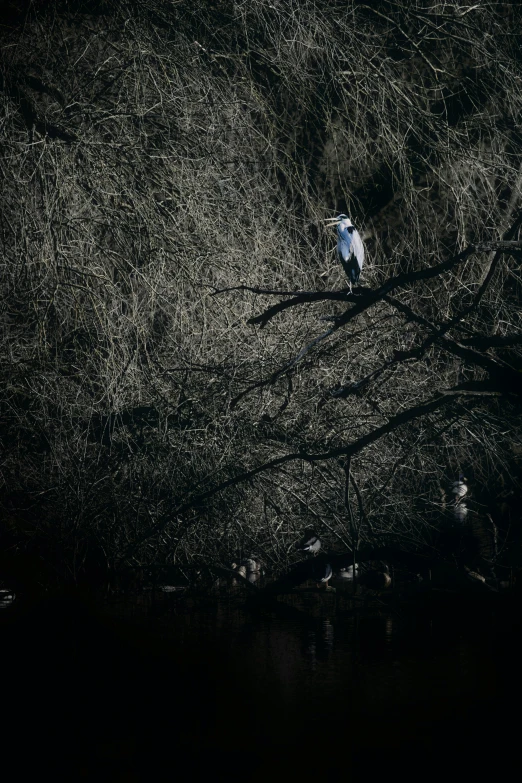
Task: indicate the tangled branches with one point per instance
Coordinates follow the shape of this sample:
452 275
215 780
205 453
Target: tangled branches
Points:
154 154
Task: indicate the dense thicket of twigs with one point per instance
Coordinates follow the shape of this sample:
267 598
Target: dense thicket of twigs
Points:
156 153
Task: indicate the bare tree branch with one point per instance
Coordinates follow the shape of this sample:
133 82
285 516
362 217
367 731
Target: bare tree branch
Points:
477 390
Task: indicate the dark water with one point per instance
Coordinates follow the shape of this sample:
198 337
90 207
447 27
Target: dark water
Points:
136 693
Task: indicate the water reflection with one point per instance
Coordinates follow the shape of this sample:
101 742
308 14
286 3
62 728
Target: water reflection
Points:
215 682
318 642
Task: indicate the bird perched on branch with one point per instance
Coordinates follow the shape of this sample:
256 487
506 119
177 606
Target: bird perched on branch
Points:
310 543
460 512
350 249
459 488
240 569
252 565
346 572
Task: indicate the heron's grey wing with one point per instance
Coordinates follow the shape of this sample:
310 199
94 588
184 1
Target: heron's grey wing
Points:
358 248
343 247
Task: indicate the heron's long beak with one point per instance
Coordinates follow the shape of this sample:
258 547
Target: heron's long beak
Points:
335 220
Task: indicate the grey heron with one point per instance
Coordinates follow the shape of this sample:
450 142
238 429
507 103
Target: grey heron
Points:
350 248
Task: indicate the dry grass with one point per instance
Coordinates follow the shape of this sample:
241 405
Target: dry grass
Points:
154 152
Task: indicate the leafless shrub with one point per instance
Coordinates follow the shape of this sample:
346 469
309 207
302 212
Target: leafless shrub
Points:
154 153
